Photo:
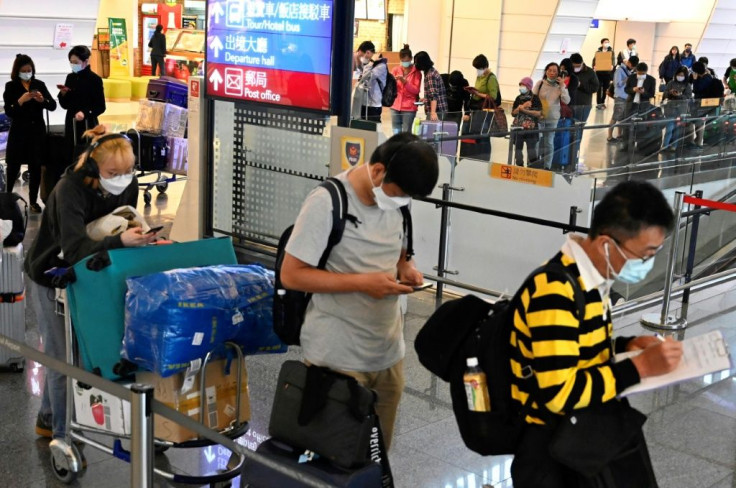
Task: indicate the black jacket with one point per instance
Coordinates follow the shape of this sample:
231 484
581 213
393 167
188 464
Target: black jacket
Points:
587 86
27 121
707 87
650 89
158 44
86 95
69 208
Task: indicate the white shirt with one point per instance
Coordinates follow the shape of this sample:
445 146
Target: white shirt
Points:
639 84
588 272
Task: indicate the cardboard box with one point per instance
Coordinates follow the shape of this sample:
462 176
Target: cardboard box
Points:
98 409
220 391
603 61
178 154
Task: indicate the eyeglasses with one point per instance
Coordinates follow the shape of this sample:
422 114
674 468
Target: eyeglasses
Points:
644 259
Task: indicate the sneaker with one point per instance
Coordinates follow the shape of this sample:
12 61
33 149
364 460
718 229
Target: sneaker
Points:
43 426
35 208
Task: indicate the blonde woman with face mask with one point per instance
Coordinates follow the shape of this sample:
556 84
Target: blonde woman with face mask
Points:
102 180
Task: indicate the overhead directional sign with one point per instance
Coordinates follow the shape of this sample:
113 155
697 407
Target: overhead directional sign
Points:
270 51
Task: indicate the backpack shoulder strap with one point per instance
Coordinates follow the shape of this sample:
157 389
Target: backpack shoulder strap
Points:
408 231
339 215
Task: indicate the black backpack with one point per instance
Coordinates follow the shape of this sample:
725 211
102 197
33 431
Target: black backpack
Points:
289 306
389 91
10 210
471 327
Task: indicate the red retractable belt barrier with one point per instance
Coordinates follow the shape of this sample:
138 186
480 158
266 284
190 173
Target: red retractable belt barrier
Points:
729 207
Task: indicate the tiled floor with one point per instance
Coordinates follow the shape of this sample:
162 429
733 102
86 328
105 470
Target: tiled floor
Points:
691 429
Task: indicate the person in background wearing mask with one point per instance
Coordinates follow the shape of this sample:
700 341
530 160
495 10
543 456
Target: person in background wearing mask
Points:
408 84
158 51
551 90
729 78
102 180
604 75
25 100
354 323
588 86
435 98
569 78
628 52
527 111
688 57
678 95
458 98
486 84
370 87
362 56
620 77
670 64
705 86
571 358
82 96
641 88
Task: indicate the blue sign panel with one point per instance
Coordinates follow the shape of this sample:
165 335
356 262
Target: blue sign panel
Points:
276 43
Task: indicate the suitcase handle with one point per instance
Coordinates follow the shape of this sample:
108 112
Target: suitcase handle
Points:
153 93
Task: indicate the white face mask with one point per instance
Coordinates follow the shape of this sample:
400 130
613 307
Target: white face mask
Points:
523 90
480 72
384 201
577 69
641 77
117 184
606 46
365 61
680 78
25 76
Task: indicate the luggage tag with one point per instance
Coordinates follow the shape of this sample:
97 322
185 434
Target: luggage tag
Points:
190 374
238 318
308 456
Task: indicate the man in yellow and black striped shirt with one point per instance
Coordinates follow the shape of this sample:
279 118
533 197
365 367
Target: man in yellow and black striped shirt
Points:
571 357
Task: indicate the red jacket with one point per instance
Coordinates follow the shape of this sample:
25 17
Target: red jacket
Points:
406 93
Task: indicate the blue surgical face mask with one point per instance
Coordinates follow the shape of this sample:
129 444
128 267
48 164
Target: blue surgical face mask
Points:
76 68
633 271
25 76
406 64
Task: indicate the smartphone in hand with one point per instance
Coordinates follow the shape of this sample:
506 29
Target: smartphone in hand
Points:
423 286
153 230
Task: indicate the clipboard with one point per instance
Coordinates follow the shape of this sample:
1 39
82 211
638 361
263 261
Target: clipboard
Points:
702 355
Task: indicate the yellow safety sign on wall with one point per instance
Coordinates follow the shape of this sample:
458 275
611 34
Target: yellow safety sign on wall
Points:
521 174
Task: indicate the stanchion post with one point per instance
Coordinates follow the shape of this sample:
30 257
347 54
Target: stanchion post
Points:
664 320
691 257
444 237
141 440
512 146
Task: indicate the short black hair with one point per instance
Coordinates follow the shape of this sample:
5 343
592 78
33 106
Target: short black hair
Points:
159 28
480 62
82 52
605 39
422 61
576 58
732 62
410 163
642 67
699 68
630 42
366 46
20 61
688 44
630 207
703 59
683 70
405 52
634 60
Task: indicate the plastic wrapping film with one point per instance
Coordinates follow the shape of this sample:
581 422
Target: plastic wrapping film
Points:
178 316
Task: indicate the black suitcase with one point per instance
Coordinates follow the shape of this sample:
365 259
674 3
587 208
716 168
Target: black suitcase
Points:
151 151
56 160
256 475
648 134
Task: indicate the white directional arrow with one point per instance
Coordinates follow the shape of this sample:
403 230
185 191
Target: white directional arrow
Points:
216 45
216 78
209 455
217 11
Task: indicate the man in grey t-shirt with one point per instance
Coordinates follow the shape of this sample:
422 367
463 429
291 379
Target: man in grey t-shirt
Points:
353 323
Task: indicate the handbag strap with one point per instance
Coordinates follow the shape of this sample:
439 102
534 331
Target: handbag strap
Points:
387 477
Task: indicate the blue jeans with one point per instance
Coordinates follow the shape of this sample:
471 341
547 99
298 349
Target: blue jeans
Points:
402 120
51 326
548 141
668 131
581 112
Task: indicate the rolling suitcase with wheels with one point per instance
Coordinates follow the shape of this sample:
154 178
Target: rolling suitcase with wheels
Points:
151 150
446 128
566 144
257 475
648 133
12 304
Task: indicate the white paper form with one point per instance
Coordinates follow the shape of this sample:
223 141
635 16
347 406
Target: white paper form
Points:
701 355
